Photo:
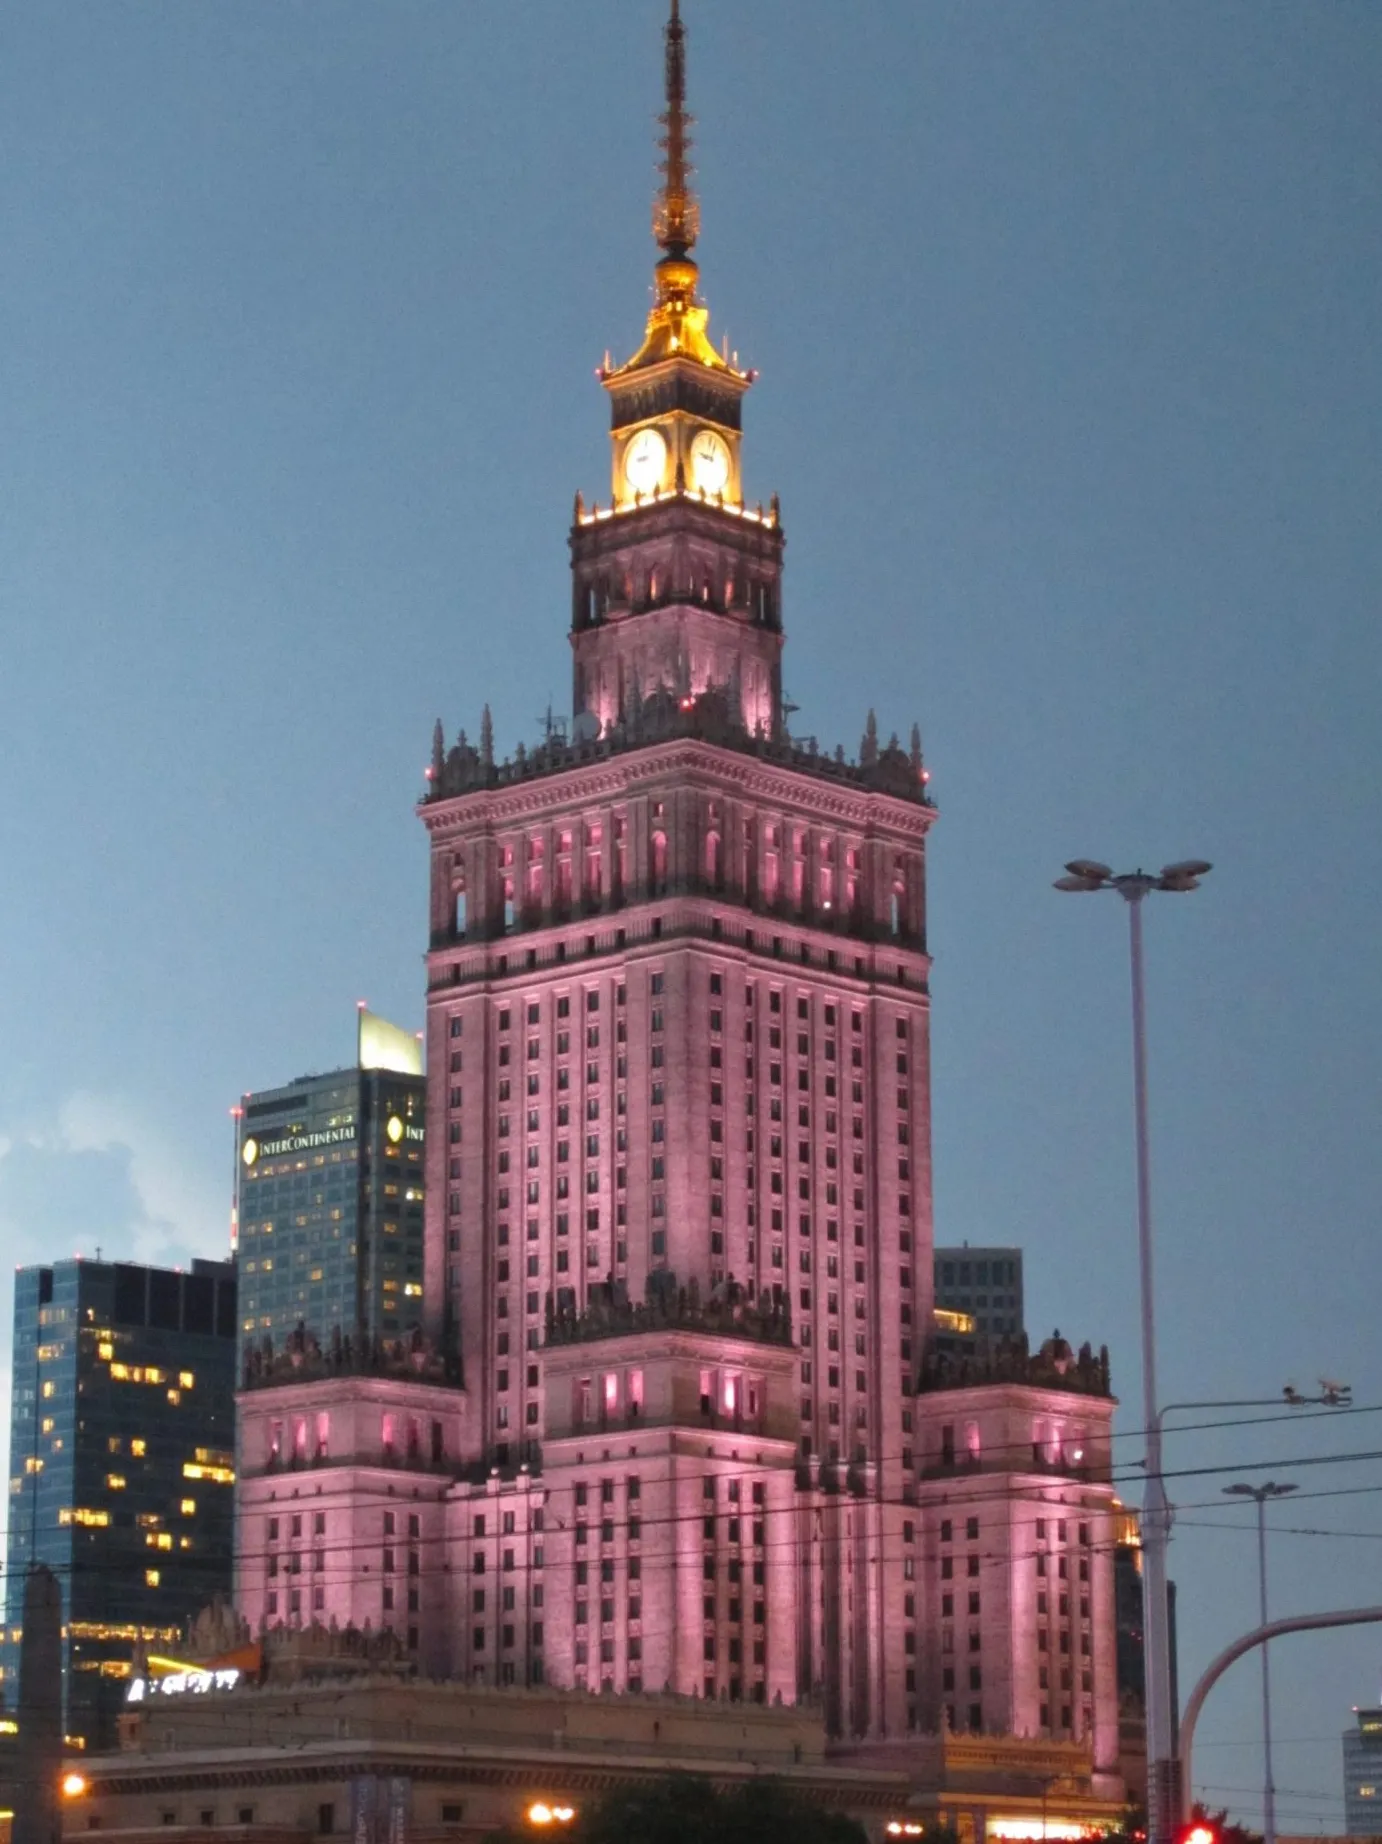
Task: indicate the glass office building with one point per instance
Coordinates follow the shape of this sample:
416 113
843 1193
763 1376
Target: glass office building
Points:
122 1437
1363 1774
330 1205
986 1284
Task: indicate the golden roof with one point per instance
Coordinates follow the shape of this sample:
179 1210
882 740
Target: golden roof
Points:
677 324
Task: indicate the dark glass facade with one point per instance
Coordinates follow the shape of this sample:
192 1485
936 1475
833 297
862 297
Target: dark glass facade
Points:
985 1283
331 1206
122 1438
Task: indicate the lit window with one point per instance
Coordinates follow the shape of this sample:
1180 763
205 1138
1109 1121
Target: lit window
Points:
151 1578
189 1507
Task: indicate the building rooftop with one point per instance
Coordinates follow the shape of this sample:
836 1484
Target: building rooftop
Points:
302 1356
1055 1366
726 1313
713 717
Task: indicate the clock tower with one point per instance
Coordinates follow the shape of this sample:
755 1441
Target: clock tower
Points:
678 1223
676 583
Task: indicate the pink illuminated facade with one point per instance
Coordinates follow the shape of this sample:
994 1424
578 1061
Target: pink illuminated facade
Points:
674 1419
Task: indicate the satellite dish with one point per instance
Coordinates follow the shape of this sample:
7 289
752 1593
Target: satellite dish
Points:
586 728
1087 867
1189 867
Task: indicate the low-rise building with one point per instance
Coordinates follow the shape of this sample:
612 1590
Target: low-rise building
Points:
336 1739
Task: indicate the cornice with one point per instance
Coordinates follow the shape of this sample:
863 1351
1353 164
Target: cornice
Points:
747 775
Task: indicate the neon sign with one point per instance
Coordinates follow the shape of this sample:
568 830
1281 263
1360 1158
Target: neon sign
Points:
193 1682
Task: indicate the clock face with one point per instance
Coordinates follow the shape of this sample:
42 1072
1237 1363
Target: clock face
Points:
709 462
645 460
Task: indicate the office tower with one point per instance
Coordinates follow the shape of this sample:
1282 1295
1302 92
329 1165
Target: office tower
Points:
1363 1773
678 1173
986 1285
37 1794
121 1468
330 1202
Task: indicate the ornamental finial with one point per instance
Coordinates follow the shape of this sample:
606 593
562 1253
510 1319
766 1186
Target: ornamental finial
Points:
676 214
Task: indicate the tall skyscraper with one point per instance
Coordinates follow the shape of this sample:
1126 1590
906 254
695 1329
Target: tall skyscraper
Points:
121 1462
986 1285
330 1203
678 1173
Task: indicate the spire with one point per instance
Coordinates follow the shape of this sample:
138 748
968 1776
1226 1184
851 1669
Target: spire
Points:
677 324
676 214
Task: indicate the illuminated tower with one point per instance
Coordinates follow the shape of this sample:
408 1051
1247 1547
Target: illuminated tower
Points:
678 1025
676 1418
329 1198
121 1470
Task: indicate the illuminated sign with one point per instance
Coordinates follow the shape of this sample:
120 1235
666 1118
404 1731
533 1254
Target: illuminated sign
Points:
254 1150
401 1130
193 1682
1062 1830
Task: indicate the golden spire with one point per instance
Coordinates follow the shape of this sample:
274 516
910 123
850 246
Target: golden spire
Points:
677 325
676 213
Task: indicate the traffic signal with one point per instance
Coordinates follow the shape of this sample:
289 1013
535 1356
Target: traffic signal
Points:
1197 1832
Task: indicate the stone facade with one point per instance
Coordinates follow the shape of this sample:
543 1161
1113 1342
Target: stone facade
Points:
289 1760
678 1162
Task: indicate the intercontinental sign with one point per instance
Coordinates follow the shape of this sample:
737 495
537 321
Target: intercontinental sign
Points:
254 1150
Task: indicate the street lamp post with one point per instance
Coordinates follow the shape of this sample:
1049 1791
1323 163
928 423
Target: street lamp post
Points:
1163 1801
1261 1493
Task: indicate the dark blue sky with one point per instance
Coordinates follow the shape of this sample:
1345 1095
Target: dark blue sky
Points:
1066 316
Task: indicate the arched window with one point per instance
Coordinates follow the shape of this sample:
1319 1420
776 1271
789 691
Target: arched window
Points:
659 860
712 860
